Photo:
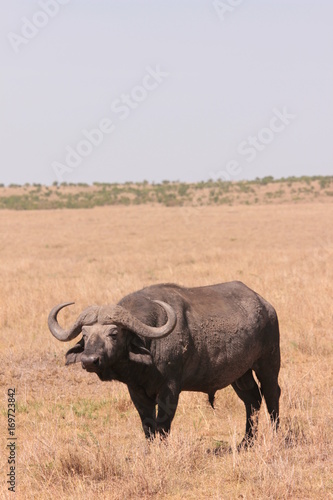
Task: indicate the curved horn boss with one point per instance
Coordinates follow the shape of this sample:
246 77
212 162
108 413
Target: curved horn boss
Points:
111 314
118 315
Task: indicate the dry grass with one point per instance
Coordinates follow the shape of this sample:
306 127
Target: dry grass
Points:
79 437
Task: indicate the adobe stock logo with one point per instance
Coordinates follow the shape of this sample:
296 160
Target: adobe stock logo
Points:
255 144
31 27
224 7
122 109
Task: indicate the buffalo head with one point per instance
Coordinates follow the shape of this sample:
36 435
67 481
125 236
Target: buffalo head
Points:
110 335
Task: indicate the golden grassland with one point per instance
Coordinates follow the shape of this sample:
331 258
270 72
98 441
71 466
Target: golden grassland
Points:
78 437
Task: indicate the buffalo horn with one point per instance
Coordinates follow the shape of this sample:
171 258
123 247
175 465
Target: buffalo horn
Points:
87 317
114 314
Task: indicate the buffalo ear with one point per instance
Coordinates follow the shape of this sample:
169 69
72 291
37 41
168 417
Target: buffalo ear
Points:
74 354
138 352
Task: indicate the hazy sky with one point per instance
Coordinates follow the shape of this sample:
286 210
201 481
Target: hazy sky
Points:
120 90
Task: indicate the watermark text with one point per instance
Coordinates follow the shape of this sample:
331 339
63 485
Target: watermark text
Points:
121 108
11 440
255 144
30 28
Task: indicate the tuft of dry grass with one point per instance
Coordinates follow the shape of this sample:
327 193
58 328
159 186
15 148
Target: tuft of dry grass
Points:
79 437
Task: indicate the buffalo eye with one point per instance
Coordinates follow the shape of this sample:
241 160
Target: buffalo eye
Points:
112 333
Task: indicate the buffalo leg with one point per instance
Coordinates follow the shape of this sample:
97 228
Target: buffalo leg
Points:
252 398
147 410
267 373
167 402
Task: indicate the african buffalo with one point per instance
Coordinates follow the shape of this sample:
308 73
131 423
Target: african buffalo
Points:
165 339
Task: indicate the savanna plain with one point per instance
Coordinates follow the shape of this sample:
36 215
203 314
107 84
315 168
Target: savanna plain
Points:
78 437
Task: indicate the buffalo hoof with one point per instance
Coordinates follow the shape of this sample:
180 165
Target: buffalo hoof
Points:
221 449
245 444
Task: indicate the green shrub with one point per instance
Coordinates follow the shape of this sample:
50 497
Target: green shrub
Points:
324 182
